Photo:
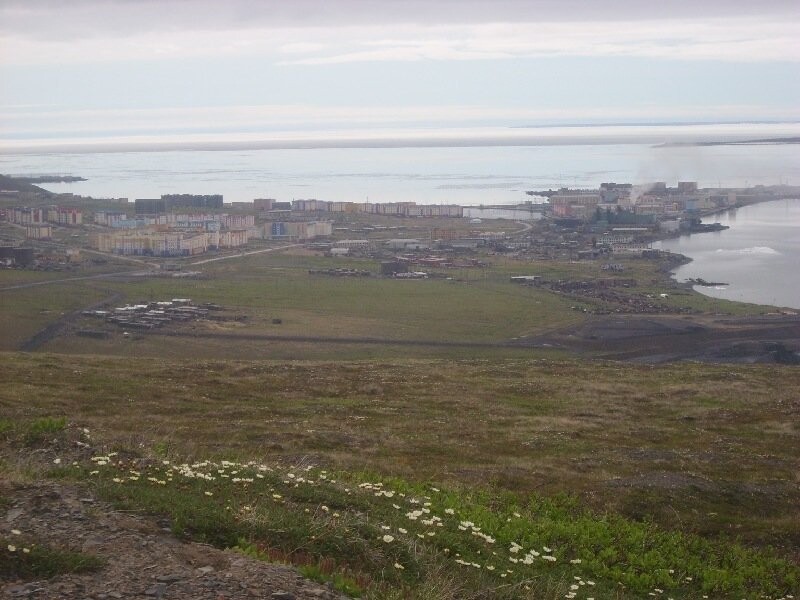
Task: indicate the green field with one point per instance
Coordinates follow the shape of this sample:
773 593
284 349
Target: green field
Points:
462 306
474 308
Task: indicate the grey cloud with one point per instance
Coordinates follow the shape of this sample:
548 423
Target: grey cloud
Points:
56 19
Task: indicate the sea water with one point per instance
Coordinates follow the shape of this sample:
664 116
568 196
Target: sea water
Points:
446 175
757 258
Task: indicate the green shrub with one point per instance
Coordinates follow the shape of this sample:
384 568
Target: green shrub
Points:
40 429
21 560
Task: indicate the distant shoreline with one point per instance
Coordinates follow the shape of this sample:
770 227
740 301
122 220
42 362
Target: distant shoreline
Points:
788 140
333 144
655 136
49 179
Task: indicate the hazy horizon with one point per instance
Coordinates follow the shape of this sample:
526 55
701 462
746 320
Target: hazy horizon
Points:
95 71
142 97
554 135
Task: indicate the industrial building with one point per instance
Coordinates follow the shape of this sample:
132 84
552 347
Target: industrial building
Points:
297 230
168 202
263 204
16 256
574 204
406 244
352 244
192 200
149 206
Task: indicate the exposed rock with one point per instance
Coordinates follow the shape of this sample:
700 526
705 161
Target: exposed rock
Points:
141 559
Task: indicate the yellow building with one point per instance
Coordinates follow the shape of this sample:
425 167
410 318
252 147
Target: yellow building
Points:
233 238
153 243
38 232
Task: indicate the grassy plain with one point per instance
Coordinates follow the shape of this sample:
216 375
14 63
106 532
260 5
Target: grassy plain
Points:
462 306
474 306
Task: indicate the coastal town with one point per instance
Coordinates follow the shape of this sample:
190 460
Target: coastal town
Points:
616 219
183 264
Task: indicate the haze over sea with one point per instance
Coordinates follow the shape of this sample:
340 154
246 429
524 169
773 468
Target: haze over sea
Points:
489 165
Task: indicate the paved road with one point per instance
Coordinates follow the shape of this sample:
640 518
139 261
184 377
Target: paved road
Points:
151 271
22 286
526 227
230 256
138 261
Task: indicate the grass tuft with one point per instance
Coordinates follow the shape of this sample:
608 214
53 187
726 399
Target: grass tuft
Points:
40 429
24 560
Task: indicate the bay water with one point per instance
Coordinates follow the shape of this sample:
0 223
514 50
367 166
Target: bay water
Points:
758 258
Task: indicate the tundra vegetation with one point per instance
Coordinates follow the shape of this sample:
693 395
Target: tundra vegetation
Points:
437 479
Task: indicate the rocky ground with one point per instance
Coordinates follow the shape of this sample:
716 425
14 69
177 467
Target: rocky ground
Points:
142 559
660 339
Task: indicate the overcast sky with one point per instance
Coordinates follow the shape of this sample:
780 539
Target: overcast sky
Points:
95 68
